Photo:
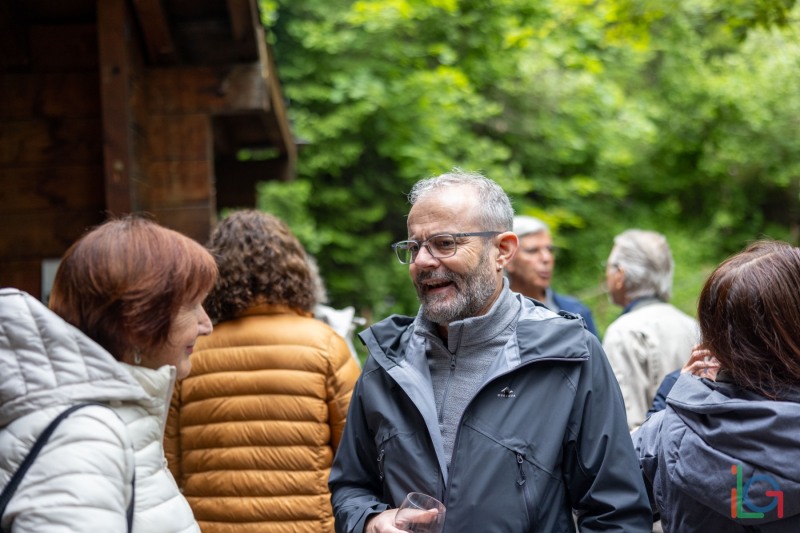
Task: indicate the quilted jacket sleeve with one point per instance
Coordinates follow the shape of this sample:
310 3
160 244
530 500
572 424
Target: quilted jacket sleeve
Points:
80 481
341 379
172 436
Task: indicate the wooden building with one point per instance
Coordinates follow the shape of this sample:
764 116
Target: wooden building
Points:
116 106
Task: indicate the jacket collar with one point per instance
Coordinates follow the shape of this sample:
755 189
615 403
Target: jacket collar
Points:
540 334
477 329
641 302
272 309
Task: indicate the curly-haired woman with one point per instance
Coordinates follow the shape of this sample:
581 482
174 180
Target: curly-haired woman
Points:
255 426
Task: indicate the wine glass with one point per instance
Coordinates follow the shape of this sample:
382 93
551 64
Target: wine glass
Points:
420 513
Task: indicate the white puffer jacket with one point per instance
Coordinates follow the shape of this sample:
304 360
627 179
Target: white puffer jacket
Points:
81 480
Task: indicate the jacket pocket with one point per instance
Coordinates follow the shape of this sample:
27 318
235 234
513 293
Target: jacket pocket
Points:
405 464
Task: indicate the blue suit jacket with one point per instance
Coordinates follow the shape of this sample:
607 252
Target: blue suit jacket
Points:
573 305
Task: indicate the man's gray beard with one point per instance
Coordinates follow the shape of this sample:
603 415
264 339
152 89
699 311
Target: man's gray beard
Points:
475 289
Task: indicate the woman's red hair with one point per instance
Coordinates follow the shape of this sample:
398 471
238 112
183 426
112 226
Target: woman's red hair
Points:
124 282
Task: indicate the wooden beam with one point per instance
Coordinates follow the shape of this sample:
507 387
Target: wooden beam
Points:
156 31
241 15
113 32
287 144
214 90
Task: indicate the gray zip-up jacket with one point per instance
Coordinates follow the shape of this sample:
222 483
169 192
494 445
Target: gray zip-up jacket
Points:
717 451
545 434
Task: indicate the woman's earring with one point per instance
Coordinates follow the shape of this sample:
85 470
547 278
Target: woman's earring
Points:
137 357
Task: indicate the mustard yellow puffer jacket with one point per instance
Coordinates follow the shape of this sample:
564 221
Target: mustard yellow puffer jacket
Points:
252 431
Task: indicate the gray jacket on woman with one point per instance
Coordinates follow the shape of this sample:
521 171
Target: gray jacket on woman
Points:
544 434
717 451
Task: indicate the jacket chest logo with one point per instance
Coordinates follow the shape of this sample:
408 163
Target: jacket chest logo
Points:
506 392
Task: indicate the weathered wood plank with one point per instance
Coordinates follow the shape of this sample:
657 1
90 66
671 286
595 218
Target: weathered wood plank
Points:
50 142
208 42
13 39
113 24
278 117
43 233
64 47
23 275
244 21
67 95
179 138
156 31
42 187
237 88
195 221
173 183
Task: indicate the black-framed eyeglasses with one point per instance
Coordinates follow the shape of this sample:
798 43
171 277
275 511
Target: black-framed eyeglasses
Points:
439 246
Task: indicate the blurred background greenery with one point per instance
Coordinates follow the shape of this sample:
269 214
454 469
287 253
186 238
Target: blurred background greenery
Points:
597 116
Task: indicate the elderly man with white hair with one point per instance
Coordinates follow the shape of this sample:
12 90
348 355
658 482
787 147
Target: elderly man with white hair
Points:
652 337
531 270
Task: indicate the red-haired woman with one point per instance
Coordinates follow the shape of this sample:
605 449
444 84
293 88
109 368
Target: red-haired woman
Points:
130 294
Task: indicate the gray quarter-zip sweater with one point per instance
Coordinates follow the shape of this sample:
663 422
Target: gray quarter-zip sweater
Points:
458 368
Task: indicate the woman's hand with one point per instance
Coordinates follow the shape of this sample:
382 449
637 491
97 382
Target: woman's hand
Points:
702 363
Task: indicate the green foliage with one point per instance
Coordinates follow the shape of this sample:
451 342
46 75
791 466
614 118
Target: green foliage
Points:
596 116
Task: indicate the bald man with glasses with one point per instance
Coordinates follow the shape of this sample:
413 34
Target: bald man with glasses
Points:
487 400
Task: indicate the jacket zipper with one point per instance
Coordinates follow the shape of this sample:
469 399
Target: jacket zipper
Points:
521 481
440 415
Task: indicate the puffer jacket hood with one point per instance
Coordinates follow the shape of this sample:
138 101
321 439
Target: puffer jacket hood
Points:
46 361
714 438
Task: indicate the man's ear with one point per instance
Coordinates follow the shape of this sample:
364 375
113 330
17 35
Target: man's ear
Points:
619 278
507 244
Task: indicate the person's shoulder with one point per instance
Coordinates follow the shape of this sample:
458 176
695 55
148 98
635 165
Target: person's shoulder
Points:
91 423
544 332
661 314
570 303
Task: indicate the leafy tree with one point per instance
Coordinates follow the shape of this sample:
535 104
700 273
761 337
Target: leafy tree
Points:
596 116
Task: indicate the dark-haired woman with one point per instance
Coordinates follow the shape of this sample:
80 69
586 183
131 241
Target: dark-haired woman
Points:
724 456
129 296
